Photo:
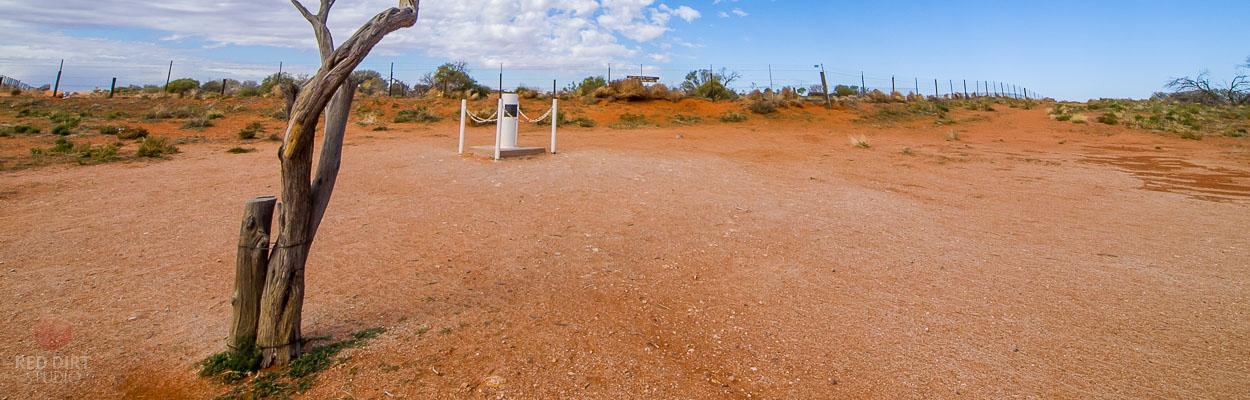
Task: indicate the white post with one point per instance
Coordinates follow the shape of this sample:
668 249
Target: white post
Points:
498 125
555 116
463 107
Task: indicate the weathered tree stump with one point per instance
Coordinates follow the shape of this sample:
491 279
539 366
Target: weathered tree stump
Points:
251 265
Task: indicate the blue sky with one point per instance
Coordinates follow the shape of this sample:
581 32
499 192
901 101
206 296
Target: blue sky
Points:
1065 49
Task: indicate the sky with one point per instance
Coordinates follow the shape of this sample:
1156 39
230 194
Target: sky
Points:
1071 50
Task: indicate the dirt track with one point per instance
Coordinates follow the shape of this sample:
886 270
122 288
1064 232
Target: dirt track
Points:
1030 258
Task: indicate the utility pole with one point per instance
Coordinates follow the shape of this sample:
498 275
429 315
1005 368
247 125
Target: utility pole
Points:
169 75
57 86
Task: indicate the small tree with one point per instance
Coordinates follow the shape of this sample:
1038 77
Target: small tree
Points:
710 85
587 86
452 79
266 317
1235 92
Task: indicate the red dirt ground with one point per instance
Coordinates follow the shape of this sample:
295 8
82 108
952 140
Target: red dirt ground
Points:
771 259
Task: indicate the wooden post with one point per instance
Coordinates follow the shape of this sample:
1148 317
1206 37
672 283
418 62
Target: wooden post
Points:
825 84
555 116
390 87
113 87
951 83
249 273
965 88
863 85
223 87
464 104
935 89
892 89
57 86
169 75
916 81
609 72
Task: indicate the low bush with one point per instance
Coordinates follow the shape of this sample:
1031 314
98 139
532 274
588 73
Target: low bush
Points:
763 106
251 131
1109 119
197 123
860 142
683 119
421 115
155 146
733 117
630 121
241 150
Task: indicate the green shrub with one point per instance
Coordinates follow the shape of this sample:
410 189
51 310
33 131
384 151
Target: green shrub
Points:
733 117
197 123
580 121
24 128
421 114
1109 119
215 115
131 133
763 106
240 150
182 86
630 121
63 129
682 119
251 131
153 147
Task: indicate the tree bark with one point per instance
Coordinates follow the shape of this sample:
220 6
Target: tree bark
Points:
249 274
278 333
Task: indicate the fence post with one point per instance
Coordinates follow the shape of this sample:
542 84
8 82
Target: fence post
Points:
464 104
555 117
223 87
390 87
57 86
825 84
935 90
916 82
169 75
863 86
770 79
965 88
892 89
1 81
113 87
951 83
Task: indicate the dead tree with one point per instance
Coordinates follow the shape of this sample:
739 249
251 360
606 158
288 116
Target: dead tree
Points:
305 196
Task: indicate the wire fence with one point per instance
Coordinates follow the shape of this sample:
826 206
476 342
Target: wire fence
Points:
89 77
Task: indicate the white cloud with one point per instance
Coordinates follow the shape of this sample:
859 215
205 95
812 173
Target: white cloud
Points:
521 32
739 12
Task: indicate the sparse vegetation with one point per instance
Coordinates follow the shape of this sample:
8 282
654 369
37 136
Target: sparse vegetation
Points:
251 131
860 142
241 150
198 123
683 119
630 121
155 146
420 114
234 368
733 117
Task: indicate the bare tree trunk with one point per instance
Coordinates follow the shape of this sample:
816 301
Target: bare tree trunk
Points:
250 266
305 200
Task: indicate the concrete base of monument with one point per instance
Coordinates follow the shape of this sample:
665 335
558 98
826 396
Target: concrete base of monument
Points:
514 152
